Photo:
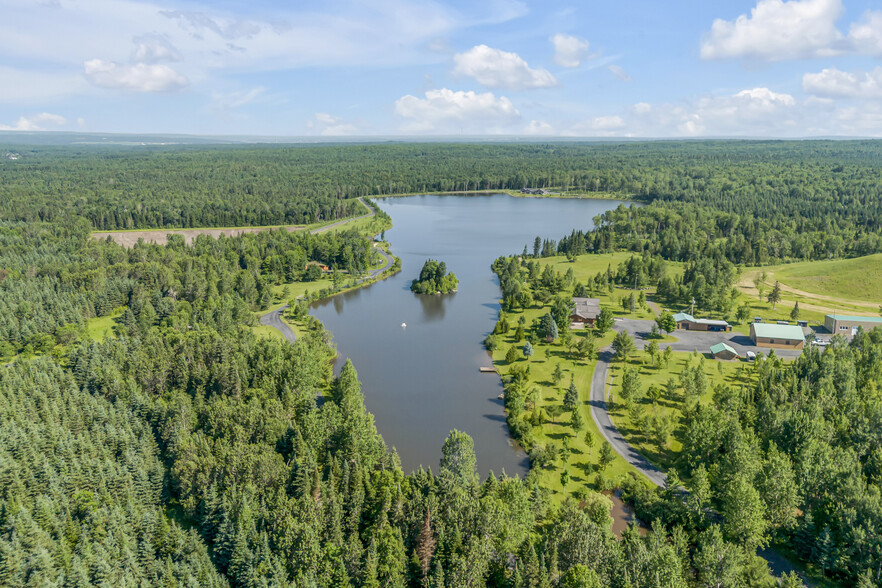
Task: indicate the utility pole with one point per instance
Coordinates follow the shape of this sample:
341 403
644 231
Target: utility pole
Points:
692 311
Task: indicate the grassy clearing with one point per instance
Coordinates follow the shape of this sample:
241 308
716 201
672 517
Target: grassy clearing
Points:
589 265
266 332
99 328
583 461
856 279
635 423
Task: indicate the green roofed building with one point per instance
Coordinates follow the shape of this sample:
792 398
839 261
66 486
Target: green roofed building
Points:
849 325
723 351
778 336
687 322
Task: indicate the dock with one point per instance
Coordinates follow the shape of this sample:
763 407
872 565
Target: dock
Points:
487 370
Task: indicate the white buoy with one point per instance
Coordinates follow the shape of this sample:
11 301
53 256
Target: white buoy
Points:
403 325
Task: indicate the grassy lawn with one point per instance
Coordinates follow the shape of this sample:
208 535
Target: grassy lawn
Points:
101 327
267 332
582 464
670 404
589 265
855 279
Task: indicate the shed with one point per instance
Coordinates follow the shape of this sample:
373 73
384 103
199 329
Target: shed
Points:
723 351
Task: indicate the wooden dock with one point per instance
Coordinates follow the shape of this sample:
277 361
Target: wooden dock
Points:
487 370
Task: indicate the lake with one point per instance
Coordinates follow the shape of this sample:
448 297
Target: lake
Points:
421 381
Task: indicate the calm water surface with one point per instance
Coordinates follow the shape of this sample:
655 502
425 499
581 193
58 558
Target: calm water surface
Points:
423 380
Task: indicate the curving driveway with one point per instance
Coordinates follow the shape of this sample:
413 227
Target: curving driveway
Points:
686 341
600 414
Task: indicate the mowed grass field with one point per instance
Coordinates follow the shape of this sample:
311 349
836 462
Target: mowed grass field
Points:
583 461
101 327
859 278
589 265
854 283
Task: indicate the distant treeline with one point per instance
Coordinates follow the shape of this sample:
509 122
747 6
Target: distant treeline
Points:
810 185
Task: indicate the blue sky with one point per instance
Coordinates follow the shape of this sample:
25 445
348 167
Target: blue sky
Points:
641 68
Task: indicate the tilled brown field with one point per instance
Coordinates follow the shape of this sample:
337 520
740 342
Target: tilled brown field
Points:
130 238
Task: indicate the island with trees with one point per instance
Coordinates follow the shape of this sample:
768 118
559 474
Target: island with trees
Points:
434 279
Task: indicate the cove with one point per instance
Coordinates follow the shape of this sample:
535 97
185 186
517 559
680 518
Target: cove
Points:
421 381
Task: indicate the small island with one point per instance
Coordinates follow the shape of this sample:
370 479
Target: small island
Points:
434 279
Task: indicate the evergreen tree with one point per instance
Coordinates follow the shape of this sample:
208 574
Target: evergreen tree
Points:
774 296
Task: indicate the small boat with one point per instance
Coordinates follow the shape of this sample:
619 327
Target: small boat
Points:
403 325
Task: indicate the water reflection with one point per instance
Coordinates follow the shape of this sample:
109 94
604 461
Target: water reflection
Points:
434 305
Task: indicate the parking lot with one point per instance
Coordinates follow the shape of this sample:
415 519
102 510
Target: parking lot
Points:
700 341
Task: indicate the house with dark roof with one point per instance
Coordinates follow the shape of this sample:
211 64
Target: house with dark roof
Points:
687 322
777 336
585 311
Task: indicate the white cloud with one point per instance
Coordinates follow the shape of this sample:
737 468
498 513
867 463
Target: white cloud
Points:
494 68
619 72
764 99
329 125
601 126
778 30
866 36
451 110
538 127
569 51
139 77
607 123
35 122
154 48
842 84
751 112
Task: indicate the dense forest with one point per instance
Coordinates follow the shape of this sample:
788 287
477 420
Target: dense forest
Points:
182 449
789 187
54 279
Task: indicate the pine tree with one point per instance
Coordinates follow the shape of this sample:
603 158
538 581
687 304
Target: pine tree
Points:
571 398
774 296
425 546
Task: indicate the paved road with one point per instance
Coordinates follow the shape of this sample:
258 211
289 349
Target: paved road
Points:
600 414
274 319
